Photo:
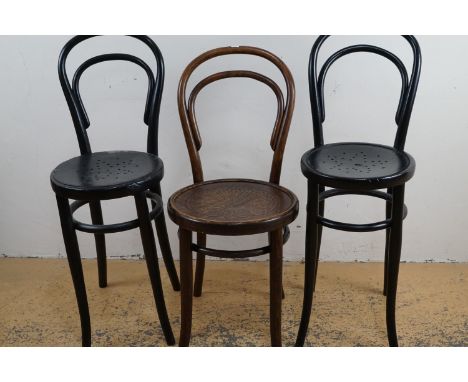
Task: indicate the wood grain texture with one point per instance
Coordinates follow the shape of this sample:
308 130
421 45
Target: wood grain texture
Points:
285 104
233 207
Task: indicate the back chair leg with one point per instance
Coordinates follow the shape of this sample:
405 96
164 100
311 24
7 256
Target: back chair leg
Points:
149 247
100 239
161 230
311 257
388 231
200 266
164 244
186 286
76 270
276 282
394 254
319 233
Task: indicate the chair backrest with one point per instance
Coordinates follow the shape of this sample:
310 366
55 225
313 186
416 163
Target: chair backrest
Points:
408 88
75 103
284 112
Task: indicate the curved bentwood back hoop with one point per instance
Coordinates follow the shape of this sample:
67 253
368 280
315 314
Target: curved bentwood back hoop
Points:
408 88
75 103
283 116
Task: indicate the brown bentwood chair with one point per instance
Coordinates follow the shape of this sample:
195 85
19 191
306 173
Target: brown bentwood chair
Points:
232 207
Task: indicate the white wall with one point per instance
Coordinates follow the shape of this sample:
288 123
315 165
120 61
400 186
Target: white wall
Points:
235 118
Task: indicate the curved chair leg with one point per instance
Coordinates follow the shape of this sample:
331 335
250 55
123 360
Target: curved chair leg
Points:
311 256
100 239
388 231
164 244
186 286
394 261
319 233
76 270
200 266
149 247
276 283
283 296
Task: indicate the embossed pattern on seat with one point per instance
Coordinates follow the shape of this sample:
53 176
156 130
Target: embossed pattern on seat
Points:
233 202
372 164
107 171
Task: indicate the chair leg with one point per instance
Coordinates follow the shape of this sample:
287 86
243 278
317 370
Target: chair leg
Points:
186 286
276 282
164 244
394 261
200 266
151 257
100 239
311 256
319 233
283 296
388 231
76 270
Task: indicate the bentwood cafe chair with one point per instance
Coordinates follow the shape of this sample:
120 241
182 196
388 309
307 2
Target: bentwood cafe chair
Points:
232 206
95 176
358 168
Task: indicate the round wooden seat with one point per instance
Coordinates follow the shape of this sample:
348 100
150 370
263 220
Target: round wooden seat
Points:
233 207
357 166
106 175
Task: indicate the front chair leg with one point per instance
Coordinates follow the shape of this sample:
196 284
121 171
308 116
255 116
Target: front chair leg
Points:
164 244
283 296
276 285
311 256
151 257
100 239
200 266
186 286
394 261
76 270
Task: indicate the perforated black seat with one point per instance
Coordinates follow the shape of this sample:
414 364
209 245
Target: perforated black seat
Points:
357 166
360 169
107 175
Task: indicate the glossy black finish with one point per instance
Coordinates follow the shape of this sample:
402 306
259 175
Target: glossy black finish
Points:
408 92
76 270
151 257
75 104
106 175
357 168
92 177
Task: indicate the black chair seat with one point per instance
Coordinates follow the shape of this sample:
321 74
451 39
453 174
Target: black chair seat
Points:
107 175
357 166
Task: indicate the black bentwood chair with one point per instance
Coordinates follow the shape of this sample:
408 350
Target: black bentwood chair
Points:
357 168
92 177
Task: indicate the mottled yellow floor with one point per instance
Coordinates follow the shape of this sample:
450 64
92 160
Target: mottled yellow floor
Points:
37 305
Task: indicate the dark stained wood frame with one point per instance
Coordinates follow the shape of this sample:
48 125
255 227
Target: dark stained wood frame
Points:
277 232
